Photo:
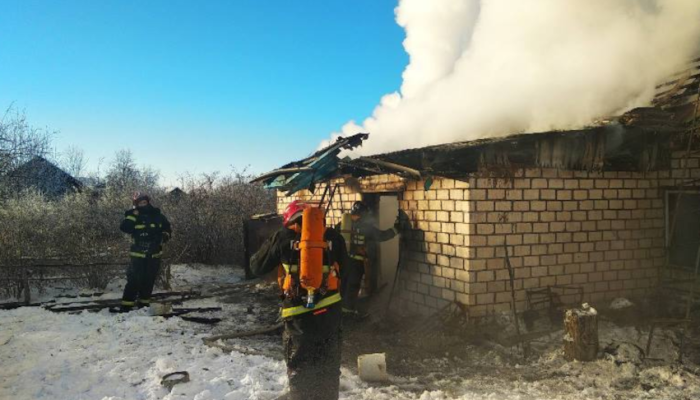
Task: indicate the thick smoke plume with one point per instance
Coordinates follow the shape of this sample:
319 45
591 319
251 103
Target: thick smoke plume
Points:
485 68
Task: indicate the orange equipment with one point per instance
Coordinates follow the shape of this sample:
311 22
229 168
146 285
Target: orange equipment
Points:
311 274
312 247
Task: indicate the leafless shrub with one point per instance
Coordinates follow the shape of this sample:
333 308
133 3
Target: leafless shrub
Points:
40 237
81 229
208 218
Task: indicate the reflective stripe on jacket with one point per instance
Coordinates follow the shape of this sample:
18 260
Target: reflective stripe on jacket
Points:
148 229
299 310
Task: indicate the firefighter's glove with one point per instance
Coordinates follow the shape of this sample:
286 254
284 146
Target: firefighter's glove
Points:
402 223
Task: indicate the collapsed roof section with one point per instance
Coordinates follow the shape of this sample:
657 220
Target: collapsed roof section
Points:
325 164
680 93
318 167
639 140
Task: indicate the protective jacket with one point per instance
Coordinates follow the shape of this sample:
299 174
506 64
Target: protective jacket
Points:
281 251
149 230
360 233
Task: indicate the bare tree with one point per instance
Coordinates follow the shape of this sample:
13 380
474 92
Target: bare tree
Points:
19 141
124 175
73 161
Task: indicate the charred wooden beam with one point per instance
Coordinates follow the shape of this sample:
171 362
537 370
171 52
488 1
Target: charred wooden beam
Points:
281 171
414 173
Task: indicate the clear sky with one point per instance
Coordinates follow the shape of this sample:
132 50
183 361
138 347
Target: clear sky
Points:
197 86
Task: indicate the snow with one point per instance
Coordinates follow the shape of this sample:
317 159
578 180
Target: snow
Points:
620 303
124 356
585 310
103 356
197 275
184 276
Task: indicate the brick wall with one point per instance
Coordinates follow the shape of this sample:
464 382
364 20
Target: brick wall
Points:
603 231
436 270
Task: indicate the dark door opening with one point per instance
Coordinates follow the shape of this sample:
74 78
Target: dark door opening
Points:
384 255
683 228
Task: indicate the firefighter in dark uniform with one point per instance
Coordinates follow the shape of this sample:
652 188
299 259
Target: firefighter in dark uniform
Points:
149 229
358 235
311 334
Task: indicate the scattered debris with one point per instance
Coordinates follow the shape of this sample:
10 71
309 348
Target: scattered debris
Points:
621 353
236 335
5 338
160 308
174 378
99 304
372 367
620 303
202 320
551 301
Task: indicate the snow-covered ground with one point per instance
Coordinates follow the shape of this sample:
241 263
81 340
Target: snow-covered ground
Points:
46 355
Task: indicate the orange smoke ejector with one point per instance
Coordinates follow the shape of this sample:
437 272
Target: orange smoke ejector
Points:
311 248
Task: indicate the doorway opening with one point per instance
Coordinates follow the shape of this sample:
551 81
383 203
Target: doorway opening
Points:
384 256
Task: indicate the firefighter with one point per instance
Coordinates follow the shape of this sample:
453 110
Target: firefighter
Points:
149 229
311 324
359 232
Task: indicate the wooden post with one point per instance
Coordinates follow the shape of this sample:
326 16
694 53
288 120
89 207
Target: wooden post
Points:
168 276
525 346
25 287
581 334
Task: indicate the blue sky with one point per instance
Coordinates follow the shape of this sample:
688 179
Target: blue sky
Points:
197 86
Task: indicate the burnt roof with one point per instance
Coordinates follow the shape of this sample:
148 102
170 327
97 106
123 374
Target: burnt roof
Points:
681 91
608 147
639 140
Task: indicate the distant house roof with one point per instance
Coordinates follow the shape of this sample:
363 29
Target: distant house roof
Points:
44 176
176 193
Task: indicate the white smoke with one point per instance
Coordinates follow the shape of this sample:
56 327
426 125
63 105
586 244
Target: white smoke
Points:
484 68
